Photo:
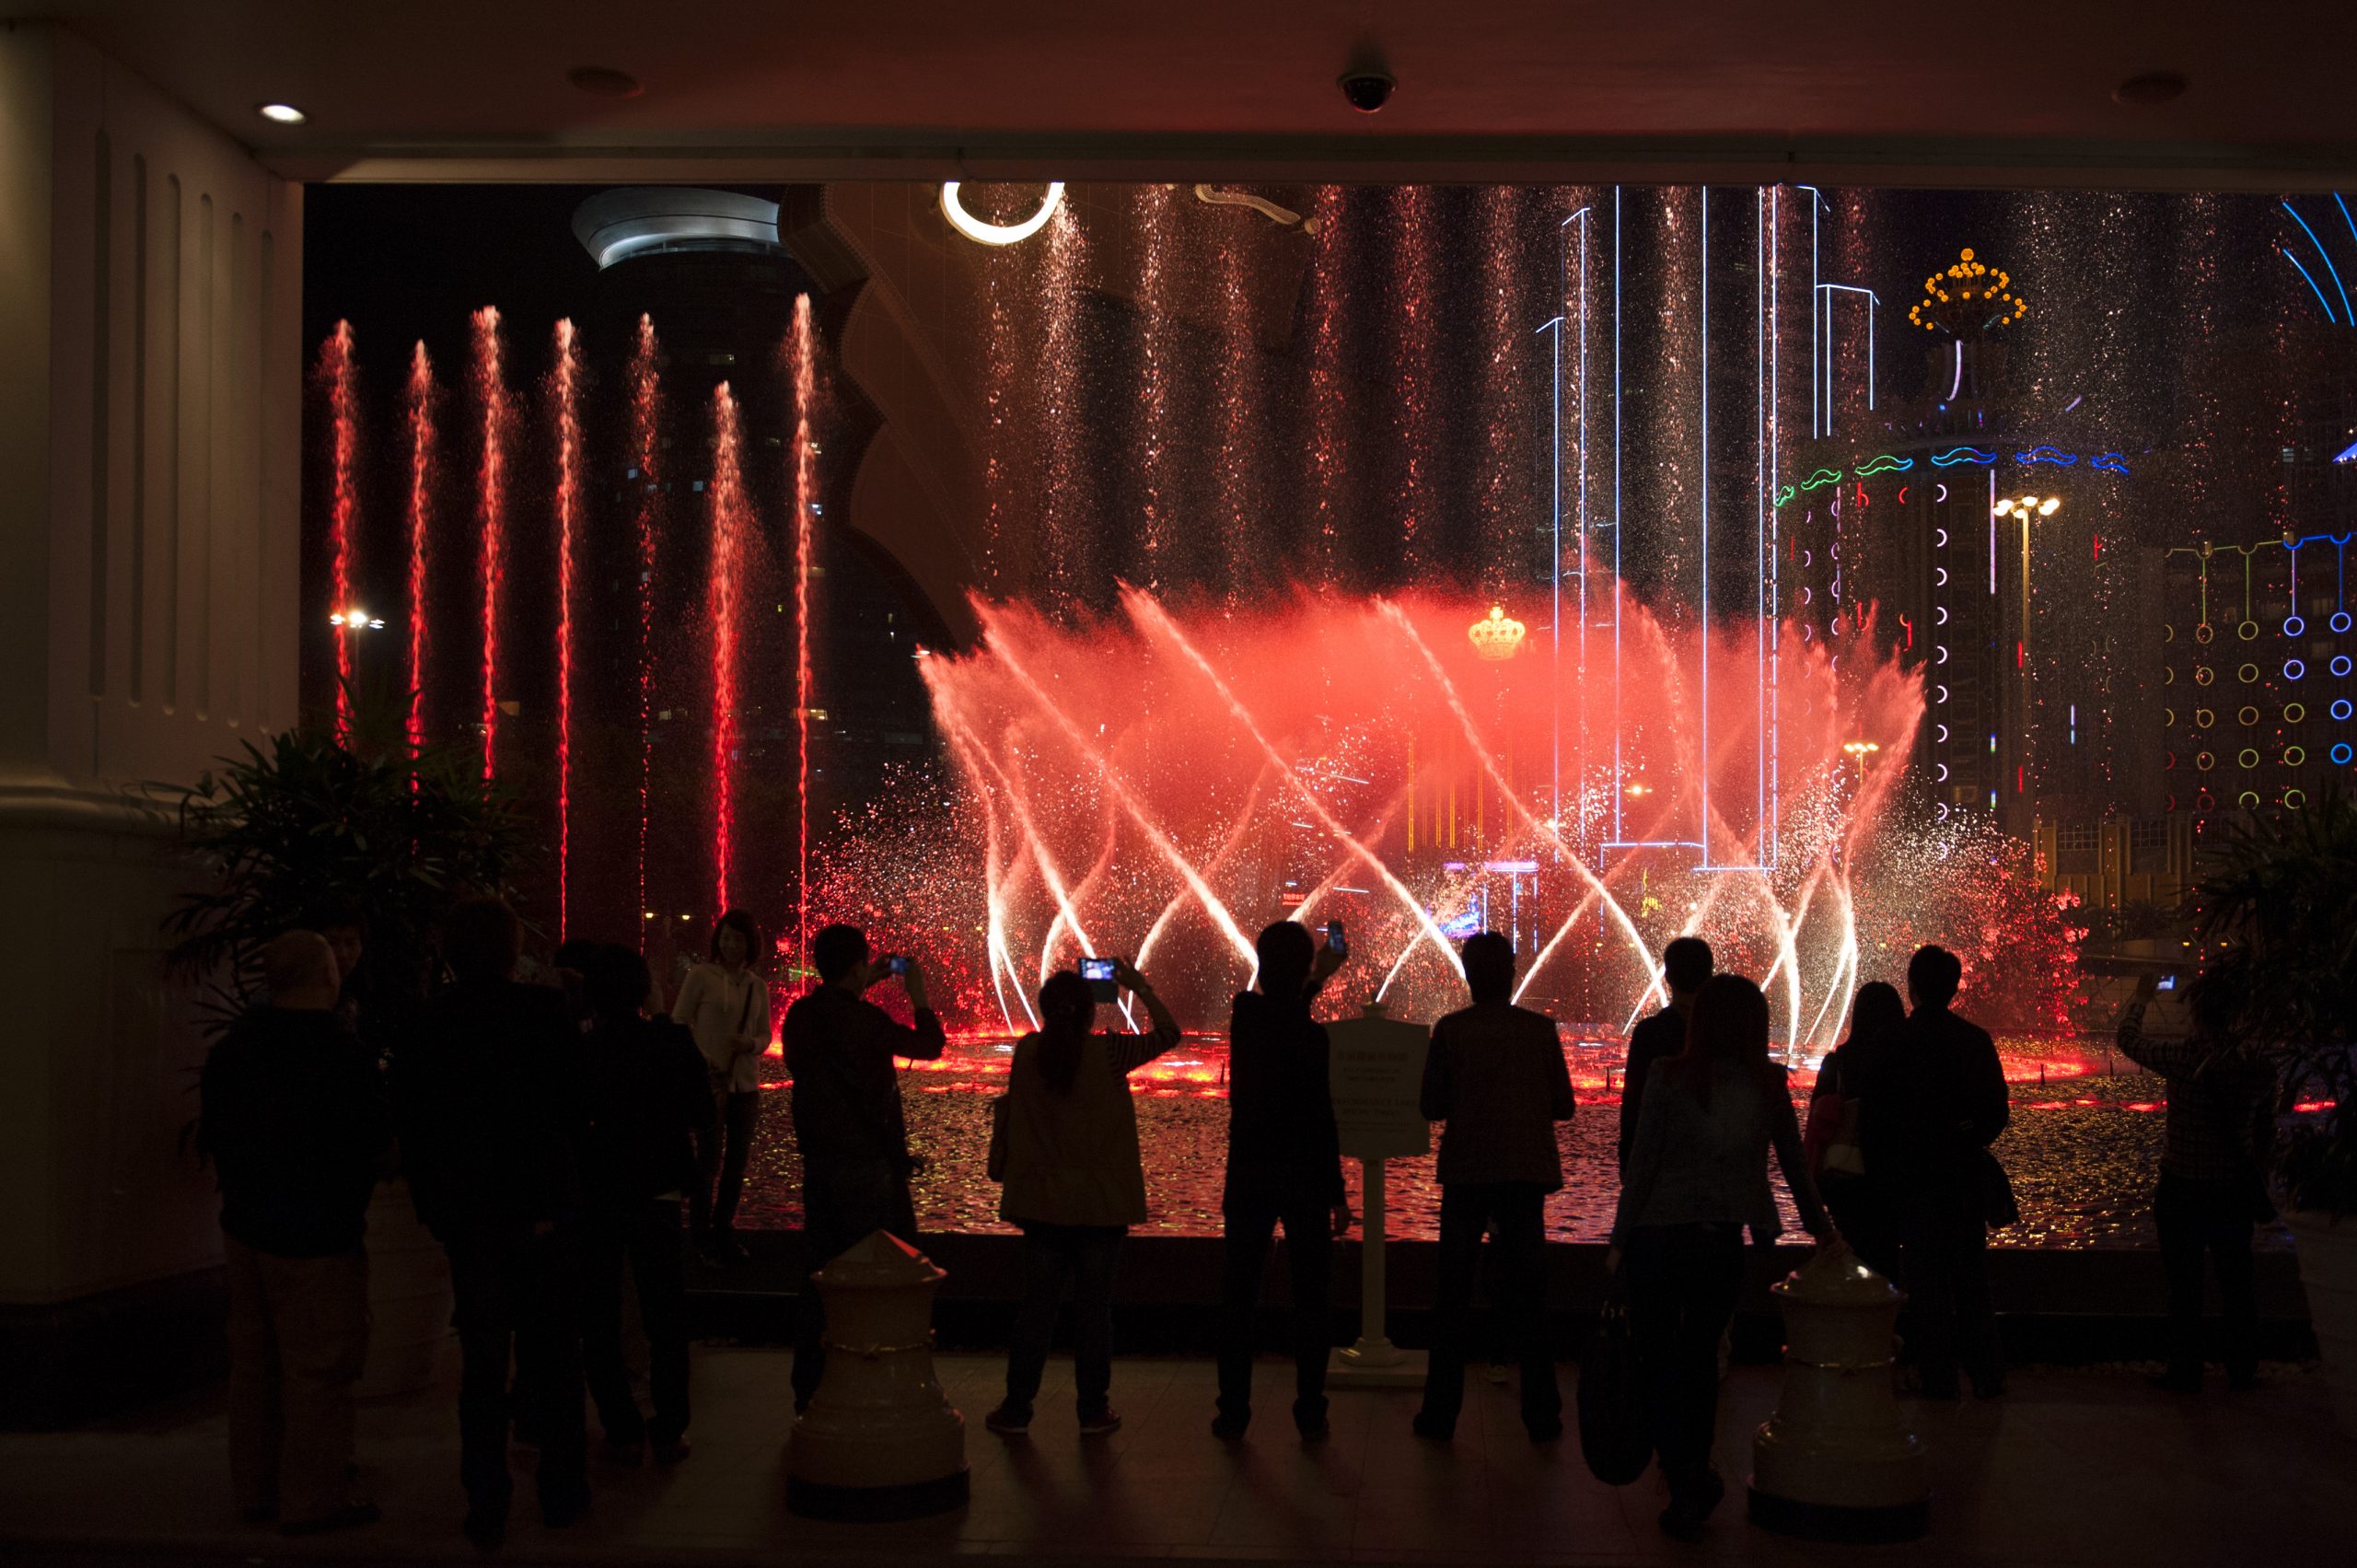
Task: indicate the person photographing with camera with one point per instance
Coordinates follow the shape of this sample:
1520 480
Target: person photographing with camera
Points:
840 1048
1074 1182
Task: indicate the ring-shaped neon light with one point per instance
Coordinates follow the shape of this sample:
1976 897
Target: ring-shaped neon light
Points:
974 228
2339 621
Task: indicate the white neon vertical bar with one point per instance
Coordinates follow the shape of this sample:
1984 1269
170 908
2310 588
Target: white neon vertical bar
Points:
1759 509
1617 617
1775 564
1872 300
1584 728
1992 532
1702 325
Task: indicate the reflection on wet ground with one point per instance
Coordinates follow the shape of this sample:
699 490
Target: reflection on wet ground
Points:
2083 1149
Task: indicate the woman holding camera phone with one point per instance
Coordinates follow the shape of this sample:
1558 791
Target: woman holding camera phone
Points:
1075 1183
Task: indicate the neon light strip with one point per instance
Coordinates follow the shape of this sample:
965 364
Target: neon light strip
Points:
1956 385
2045 455
1884 463
1702 331
2109 461
1617 590
2328 267
1963 455
1821 478
1775 594
2312 282
975 229
2344 214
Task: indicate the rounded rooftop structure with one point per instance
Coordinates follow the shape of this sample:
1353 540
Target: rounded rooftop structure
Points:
641 220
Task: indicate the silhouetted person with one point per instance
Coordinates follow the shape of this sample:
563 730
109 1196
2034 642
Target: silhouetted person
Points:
1685 965
1697 1176
840 1047
1075 1183
726 1006
345 926
1285 1166
489 1103
2213 1192
1877 1042
1495 1073
1927 1123
295 1124
648 1099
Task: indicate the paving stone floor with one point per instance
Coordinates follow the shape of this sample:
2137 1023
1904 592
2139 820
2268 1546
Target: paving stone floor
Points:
2081 1466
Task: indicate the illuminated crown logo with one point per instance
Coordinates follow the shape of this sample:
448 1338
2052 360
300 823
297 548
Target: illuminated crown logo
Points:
1496 635
1968 299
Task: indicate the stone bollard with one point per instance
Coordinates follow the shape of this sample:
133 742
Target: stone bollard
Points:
879 1441
1836 1461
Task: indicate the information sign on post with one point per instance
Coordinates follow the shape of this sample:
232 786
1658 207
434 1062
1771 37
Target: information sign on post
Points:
1376 1070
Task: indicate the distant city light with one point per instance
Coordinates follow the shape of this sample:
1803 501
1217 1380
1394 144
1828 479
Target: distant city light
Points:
281 114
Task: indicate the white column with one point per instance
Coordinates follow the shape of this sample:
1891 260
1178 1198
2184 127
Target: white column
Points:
150 284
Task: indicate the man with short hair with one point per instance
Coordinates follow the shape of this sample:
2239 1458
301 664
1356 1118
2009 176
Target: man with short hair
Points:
1686 963
1495 1075
493 1119
848 1120
292 1120
1924 1129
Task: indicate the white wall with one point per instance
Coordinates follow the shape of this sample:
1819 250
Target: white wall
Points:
150 405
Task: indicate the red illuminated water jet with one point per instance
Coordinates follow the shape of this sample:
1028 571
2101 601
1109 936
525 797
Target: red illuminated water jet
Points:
646 440
731 525
341 375
565 398
1158 753
419 411
806 497
491 514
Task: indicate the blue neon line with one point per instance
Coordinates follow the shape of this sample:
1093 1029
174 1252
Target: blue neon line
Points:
2347 454
2328 267
2045 454
1963 455
2112 462
2312 283
2344 215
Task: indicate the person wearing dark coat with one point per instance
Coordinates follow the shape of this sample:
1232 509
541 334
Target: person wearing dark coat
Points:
1930 1102
1285 1166
848 1120
492 1118
1686 963
292 1118
650 1099
1496 1076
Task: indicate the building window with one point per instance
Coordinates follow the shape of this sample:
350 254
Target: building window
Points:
2076 836
2149 834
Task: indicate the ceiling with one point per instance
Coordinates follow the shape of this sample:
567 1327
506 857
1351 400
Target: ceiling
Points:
1843 90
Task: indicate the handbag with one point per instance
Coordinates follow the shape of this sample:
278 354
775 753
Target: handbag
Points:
1616 1433
995 1164
1998 1207
1832 1139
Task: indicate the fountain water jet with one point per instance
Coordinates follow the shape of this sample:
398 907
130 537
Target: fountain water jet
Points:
645 439
341 375
420 413
491 514
565 404
732 525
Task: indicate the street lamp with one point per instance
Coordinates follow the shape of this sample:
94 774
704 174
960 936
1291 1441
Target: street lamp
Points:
1859 750
356 620
2025 507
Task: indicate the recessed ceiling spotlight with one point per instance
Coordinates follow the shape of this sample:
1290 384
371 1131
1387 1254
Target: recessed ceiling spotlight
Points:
281 114
2150 88
604 81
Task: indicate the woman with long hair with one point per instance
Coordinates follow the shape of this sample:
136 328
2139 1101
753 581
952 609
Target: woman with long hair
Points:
724 1004
1075 1183
1697 1175
1837 1111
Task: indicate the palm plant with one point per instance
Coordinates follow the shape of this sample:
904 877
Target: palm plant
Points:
312 819
2279 908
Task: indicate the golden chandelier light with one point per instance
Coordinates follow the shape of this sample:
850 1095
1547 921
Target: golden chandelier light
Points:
1970 298
1495 635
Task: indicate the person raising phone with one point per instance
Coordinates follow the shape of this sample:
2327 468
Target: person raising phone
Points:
847 1117
1075 1184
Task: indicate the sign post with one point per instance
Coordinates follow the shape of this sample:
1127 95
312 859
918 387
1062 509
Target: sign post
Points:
1377 1070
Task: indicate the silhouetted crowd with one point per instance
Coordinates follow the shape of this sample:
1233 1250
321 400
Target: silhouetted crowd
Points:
560 1139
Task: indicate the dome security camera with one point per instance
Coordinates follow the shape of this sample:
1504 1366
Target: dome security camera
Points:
1367 88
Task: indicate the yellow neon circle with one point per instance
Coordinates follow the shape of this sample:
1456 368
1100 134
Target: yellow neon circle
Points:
2295 711
2247 758
2247 716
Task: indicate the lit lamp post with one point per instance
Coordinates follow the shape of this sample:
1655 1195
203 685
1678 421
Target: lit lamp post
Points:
1858 751
2025 507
